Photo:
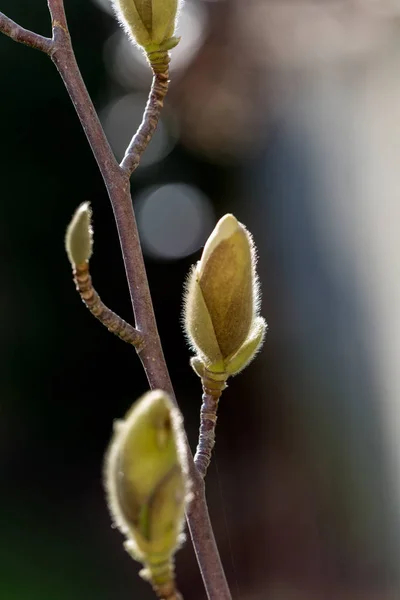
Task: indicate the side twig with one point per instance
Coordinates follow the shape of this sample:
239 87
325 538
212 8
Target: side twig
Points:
105 315
24 36
116 180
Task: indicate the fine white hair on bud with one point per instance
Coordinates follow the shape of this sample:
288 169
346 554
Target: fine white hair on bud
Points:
79 236
222 301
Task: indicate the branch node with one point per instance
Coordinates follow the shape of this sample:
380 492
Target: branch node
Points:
57 24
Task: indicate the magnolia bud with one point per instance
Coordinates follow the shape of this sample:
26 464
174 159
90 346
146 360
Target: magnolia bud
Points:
222 301
79 236
146 480
150 23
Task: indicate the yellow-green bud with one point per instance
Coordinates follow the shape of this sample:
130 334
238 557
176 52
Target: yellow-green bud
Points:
222 301
146 478
79 236
150 23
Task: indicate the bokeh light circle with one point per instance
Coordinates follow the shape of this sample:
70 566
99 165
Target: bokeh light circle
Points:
174 220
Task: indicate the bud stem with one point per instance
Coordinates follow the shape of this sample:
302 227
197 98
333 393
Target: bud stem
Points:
213 385
162 578
105 315
166 592
151 117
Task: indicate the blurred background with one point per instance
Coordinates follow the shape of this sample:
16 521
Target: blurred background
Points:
286 113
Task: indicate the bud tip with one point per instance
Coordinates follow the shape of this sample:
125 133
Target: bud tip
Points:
223 230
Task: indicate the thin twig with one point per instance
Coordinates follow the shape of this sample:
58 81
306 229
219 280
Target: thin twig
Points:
24 36
117 183
213 385
105 315
149 123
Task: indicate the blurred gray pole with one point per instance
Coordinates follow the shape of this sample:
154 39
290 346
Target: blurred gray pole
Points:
327 205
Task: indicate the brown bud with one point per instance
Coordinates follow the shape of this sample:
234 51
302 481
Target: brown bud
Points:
222 300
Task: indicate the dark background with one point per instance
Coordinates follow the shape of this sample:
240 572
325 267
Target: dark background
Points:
302 489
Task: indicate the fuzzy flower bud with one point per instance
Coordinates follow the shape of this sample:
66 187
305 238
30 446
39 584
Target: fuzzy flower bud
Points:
222 301
146 480
79 236
150 23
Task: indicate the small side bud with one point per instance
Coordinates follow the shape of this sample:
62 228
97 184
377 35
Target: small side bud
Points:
147 483
150 23
249 349
79 236
222 301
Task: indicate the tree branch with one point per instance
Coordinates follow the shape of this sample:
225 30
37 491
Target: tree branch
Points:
116 180
24 36
202 535
57 14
